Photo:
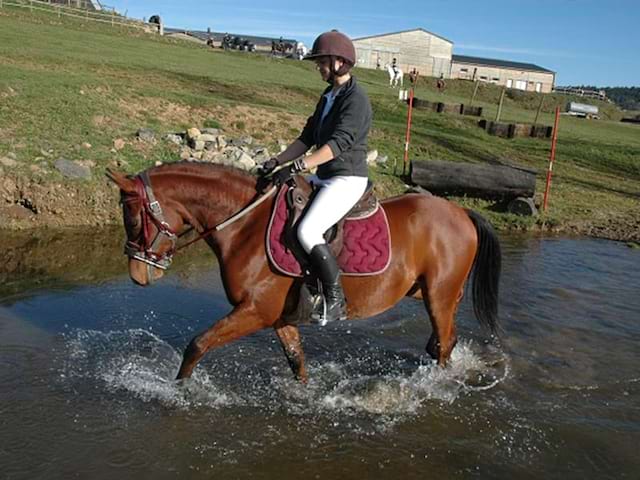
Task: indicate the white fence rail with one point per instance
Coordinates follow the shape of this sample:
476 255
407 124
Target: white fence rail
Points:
65 8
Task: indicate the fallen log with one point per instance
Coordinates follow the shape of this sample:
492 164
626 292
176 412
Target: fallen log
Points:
473 179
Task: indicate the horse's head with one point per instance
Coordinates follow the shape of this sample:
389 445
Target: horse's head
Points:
152 230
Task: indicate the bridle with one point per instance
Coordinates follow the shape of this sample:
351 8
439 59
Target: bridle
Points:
144 249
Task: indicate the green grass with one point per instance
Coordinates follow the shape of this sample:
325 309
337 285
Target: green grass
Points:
65 82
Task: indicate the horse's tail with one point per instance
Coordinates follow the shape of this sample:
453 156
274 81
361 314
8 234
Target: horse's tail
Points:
486 273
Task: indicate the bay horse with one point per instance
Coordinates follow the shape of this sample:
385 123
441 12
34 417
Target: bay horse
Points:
435 246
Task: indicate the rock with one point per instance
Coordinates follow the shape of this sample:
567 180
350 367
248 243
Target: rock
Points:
261 155
211 131
158 163
193 133
185 153
71 169
221 140
197 155
8 162
197 145
12 156
382 159
207 137
17 212
86 145
174 138
210 146
245 162
118 144
372 156
146 135
46 153
35 168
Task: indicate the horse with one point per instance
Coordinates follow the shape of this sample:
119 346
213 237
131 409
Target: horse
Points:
395 76
436 245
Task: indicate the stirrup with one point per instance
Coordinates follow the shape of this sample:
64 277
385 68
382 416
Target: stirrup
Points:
321 314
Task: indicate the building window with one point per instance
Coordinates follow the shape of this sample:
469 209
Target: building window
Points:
495 79
482 77
465 70
510 83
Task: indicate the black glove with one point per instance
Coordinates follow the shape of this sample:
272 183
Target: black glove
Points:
267 167
284 174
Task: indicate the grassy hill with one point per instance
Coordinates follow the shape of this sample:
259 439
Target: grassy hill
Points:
69 89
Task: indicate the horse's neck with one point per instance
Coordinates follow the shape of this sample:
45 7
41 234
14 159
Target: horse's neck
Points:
211 199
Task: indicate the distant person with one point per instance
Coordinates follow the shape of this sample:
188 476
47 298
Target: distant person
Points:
338 129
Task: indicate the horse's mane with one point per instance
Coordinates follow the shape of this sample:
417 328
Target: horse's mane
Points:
202 169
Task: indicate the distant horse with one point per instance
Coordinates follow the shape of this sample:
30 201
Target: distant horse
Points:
301 50
435 246
395 76
281 48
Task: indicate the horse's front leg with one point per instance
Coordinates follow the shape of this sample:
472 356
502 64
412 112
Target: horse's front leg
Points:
242 321
289 336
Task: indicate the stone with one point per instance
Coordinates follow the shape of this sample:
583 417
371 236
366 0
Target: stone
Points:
207 137
86 145
174 138
193 133
210 146
185 153
221 140
198 154
211 131
12 155
71 169
158 163
118 144
8 162
197 145
146 135
46 153
382 159
372 156
245 162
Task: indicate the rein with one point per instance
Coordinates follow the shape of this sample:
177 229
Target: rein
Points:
151 212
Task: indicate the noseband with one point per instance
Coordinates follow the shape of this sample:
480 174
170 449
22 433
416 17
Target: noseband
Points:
145 248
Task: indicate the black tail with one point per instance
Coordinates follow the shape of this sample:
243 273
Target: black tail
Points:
486 273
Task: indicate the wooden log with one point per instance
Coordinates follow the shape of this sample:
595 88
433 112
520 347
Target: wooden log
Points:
498 129
522 206
469 110
541 131
478 180
519 130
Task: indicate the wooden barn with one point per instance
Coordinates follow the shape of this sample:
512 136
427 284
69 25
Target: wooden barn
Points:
521 76
429 53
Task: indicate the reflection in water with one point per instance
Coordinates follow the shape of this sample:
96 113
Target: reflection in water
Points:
87 388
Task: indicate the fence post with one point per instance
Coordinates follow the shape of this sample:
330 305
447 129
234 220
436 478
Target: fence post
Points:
504 90
475 90
535 122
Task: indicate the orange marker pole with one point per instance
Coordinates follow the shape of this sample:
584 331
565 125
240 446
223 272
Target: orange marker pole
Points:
408 136
552 157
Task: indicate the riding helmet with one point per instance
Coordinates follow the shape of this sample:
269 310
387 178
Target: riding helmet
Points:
333 44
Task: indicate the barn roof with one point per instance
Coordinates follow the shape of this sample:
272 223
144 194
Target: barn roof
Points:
492 62
404 31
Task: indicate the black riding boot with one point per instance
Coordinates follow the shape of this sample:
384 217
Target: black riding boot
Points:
334 306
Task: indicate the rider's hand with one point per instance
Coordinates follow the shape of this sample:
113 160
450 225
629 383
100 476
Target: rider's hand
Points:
267 167
283 175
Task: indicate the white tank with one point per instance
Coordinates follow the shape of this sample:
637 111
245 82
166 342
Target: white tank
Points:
582 108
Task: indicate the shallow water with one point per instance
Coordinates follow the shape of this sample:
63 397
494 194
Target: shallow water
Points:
87 362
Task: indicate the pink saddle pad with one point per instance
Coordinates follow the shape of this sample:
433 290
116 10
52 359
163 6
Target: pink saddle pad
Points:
366 246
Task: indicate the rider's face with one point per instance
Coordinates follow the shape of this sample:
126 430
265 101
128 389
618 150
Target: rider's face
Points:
323 64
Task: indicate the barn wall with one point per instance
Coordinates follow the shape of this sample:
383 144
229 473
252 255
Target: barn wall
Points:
418 49
502 75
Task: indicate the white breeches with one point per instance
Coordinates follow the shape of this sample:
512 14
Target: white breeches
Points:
336 197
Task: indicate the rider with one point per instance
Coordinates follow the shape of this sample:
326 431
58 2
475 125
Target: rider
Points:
394 65
338 129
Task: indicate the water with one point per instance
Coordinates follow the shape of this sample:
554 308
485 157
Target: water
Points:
87 362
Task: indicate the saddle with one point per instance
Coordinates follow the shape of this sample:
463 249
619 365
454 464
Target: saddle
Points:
360 241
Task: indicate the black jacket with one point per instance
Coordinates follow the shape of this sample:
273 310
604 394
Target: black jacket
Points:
344 130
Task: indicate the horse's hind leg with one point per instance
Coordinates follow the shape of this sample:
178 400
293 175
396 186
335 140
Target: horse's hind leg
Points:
442 302
242 321
289 336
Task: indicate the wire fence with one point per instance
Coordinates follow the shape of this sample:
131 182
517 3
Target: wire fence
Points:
82 9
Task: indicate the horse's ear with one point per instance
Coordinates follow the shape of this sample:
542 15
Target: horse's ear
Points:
125 183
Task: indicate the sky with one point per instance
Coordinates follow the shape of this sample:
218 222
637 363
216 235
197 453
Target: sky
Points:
586 42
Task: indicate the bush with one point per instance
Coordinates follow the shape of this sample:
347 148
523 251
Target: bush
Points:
211 123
